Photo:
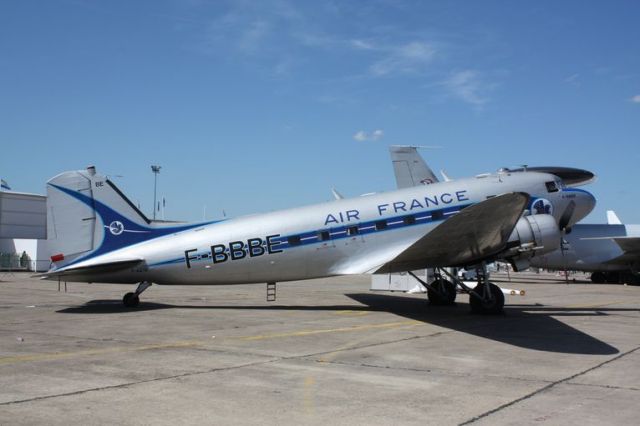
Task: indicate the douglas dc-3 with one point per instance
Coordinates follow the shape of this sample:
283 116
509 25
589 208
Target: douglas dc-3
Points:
98 235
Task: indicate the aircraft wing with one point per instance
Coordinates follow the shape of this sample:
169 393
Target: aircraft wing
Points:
476 233
630 245
92 269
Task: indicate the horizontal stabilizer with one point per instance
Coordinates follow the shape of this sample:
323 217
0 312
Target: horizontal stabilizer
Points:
92 269
475 234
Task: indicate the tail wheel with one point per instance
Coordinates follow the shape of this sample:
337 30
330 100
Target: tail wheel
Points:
487 305
131 300
442 292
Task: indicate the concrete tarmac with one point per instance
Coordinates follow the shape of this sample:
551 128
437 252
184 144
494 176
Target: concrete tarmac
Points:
326 352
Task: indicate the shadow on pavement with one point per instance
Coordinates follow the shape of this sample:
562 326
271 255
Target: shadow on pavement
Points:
527 326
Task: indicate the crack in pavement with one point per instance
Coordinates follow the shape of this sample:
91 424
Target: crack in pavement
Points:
435 370
208 371
547 387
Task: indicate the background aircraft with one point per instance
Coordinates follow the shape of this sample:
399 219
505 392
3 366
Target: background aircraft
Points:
101 237
610 251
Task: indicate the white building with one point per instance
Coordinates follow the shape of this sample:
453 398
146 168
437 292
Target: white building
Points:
23 229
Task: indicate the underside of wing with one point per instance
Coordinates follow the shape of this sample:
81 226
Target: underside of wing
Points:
475 234
92 269
630 245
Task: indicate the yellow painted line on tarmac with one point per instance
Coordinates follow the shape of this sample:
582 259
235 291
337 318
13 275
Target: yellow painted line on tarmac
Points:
72 354
310 381
350 313
309 395
331 330
53 356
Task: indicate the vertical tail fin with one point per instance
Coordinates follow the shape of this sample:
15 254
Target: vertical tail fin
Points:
87 215
612 218
409 167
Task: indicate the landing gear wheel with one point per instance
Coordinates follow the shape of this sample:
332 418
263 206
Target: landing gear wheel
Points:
445 295
598 278
612 278
131 300
487 305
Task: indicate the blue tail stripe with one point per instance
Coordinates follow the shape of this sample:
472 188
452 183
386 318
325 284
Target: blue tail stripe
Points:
120 231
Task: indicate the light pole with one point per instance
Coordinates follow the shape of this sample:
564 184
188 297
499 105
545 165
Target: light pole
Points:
155 170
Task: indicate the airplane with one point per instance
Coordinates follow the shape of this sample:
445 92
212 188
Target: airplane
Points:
98 235
610 251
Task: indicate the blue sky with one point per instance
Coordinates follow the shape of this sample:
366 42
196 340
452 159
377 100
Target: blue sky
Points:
254 106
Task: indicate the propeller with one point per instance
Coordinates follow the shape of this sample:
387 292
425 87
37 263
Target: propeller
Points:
565 219
566 215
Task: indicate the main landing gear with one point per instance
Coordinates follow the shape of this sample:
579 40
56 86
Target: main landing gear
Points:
440 292
485 298
131 300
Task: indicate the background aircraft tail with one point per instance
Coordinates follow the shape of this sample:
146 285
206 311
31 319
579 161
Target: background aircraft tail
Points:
409 167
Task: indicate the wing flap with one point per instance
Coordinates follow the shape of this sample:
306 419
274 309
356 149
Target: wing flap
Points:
476 233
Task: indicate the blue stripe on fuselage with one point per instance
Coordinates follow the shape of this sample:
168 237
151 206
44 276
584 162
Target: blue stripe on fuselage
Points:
341 232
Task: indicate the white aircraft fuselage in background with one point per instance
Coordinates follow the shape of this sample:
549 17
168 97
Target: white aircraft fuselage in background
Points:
611 252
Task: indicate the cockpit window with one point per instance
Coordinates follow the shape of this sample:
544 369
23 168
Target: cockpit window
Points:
551 186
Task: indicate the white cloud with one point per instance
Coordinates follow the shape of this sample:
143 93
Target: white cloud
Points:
361 45
362 136
253 36
573 79
467 86
405 58
635 99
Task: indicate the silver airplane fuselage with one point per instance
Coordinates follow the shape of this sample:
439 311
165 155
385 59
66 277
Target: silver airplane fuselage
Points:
348 236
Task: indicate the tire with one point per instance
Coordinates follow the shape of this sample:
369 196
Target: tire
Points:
613 278
598 277
446 294
487 307
130 300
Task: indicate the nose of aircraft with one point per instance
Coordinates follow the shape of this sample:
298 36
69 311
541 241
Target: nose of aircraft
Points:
585 202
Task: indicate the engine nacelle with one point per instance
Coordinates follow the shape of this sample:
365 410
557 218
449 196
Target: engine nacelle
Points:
533 235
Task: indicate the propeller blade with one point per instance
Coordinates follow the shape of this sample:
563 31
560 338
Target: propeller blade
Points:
566 215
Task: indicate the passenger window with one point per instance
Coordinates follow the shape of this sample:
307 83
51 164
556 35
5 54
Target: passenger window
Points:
294 240
323 235
380 225
409 220
551 186
352 230
437 215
